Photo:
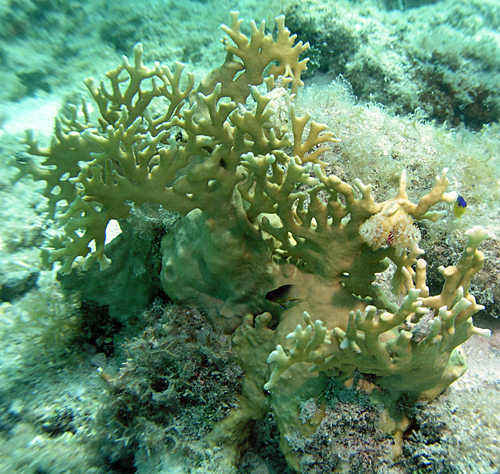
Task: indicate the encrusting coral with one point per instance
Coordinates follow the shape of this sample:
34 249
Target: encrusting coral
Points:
265 237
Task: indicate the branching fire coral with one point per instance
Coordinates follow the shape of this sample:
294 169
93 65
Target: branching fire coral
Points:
264 233
420 336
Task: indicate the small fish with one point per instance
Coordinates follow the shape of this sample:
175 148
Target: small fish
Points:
459 207
282 296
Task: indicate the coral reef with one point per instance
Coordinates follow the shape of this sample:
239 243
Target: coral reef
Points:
178 379
263 237
47 46
350 437
392 58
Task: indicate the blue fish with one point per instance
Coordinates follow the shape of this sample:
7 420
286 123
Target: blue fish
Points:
459 207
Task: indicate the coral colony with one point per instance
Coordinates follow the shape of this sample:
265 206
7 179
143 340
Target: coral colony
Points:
281 254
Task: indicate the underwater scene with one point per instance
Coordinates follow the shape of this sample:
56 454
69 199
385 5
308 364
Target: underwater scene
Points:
250 237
